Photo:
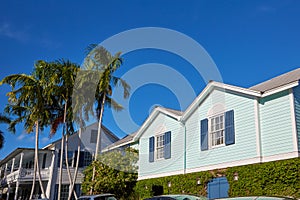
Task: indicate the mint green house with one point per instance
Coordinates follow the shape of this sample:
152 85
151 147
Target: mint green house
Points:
225 126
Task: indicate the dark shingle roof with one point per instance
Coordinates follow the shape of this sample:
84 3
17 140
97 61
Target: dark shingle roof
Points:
176 112
278 81
124 140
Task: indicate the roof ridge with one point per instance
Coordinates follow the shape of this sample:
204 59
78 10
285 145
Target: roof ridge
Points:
176 112
278 81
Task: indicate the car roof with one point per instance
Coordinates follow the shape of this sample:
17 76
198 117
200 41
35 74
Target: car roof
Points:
179 196
97 195
257 198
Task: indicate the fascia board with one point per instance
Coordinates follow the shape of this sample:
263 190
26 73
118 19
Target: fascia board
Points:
280 89
153 114
117 146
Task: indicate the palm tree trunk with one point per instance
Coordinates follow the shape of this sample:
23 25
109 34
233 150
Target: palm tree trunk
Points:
98 143
62 153
60 165
66 149
68 168
40 178
36 163
76 166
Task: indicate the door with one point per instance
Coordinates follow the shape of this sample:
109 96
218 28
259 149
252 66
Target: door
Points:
217 188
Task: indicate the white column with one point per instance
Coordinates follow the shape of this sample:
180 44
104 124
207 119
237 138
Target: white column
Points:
5 175
18 182
17 188
50 171
5 172
8 191
12 165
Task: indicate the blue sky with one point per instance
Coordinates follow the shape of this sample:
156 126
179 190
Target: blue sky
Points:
249 41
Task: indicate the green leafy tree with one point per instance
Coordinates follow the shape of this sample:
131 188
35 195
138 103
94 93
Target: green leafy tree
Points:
115 172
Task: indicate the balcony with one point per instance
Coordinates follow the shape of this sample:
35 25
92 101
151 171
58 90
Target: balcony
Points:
26 175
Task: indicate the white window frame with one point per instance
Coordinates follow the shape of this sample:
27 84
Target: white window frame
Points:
217 128
159 146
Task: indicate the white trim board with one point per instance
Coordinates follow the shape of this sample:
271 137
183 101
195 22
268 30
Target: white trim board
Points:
293 120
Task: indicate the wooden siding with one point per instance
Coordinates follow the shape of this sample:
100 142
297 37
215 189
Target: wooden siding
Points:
276 125
245 133
296 92
159 125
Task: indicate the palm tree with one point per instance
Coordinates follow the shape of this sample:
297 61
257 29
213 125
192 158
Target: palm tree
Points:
100 59
30 103
3 119
1 139
65 73
82 105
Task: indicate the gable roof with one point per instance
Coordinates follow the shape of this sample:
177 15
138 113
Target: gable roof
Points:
175 114
212 85
104 128
278 81
274 85
18 151
128 139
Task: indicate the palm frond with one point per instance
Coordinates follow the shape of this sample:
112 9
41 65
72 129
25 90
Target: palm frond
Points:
111 103
1 139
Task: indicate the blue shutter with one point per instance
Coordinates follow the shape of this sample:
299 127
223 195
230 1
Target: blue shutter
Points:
167 145
81 159
229 128
56 192
204 134
151 149
75 158
58 158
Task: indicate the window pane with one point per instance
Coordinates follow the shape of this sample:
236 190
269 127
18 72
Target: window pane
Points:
159 146
217 120
217 130
94 134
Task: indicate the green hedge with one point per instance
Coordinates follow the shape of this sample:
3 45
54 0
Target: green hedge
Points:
179 184
279 178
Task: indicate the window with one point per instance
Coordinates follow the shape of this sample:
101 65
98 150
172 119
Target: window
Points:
217 130
64 192
160 147
85 158
160 141
94 134
44 161
70 158
88 158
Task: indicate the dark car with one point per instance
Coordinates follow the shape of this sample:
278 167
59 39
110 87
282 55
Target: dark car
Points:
176 197
256 198
98 197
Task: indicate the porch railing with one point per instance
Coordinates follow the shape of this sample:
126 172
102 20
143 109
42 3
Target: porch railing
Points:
26 175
